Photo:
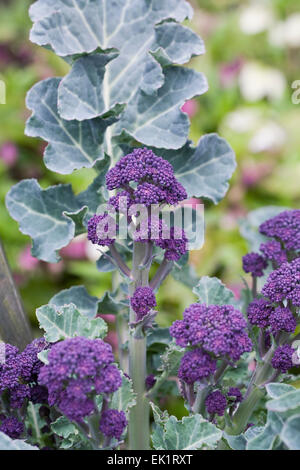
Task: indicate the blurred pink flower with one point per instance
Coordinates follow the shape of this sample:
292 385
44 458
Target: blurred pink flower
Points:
26 261
236 289
75 250
190 107
56 268
112 339
108 317
230 71
193 201
252 366
9 153
252 174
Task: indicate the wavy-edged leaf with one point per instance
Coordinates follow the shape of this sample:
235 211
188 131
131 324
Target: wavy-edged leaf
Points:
52 217
176 44
211 291
67 322
40 215
79 296
72 144
203 170
124 398
191 433
100 23
6 443
290 434
287 401
81 93
157 120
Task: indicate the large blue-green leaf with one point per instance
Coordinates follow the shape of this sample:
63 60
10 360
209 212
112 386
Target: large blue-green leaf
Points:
203 170
6 443
290 433
72 144
78 26
67 322
211 291
79 296
156 119
191 433
40 215
131 46
52 217
81 93
175 44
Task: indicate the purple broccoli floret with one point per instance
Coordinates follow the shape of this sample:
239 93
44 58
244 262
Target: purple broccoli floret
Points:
284 227
218 329
255 264
78 369
283 358
284 283
216 403
12 427
142 301
195 365
113 423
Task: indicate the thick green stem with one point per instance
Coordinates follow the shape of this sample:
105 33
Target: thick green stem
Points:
254 394
139 423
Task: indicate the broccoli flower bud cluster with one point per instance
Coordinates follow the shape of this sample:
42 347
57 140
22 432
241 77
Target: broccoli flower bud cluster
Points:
19 372
217 329
216 402
255 264
11 426
283 358
284 283
142 178
263 314
196 365
78 370
113 423
142 301
285 228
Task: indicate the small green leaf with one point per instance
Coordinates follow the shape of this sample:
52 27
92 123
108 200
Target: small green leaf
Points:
124 398
67 322
290 433
64 428
171 359
35 424
79 296
211 291
191 433
6 443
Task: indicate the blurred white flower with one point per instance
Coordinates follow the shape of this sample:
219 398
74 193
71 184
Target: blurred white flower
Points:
242 120
255 18
93 251
257 81
286 33
268 138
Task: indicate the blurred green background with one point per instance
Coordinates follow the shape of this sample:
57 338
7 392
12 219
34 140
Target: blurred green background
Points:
252 59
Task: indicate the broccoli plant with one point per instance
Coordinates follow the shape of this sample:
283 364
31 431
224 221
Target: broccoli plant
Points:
118 113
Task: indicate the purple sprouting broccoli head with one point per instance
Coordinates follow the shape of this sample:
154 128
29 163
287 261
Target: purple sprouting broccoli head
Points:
255 264
79 368
11 426
102 230
235 394
273 251
113 423
284 283
259 312
153 175
18 373
282 319
142 301
283 358
196 365
150 381
218 329
216 403
284 227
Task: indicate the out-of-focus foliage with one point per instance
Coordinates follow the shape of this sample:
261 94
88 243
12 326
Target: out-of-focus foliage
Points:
253 57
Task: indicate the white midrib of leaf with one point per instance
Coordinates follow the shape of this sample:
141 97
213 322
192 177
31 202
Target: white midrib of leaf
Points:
67 133
35 421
